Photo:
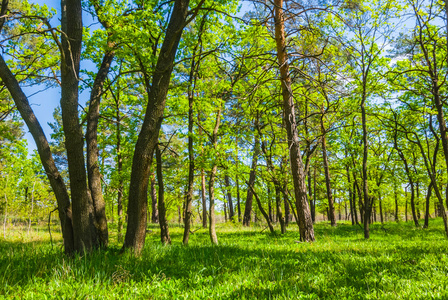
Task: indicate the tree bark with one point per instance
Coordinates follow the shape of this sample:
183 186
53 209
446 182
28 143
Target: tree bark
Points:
85 233
229 197
93 170
154 210
147 139
260 207
327 175
46 157
428 197
211 182
278 203
253 169
163 222
305 222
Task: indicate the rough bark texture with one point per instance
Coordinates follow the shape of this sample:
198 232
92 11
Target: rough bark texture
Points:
303 212
85 233
147 139
93 170
163 222
43 148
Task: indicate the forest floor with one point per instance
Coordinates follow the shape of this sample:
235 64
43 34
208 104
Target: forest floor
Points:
398 262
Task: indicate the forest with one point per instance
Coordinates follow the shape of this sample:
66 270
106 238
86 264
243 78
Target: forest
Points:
224 149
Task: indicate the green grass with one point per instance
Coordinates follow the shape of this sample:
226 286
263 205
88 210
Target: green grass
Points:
401 262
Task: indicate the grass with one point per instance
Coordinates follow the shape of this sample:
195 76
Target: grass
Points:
400 262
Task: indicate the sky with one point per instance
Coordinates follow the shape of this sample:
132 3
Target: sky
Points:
44 101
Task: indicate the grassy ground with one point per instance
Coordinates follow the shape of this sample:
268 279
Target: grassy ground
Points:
398 262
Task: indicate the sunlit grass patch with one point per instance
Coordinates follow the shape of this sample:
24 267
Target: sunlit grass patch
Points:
398 262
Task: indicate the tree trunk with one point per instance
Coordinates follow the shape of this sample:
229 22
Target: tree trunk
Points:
85 233
93 170
278 203
211 182
154 210
190 185
396 202
327 175
381 209
211 195
204 203
119 171
238 197
163 222
46 157
305 222
260 207
428 197
249 198
147 139
229 197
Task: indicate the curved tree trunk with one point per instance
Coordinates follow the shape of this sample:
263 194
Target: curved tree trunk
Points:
46 157
147 139
305 222
93 170
260 207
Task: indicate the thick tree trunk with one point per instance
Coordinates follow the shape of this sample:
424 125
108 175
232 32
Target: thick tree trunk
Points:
163 222
43 148
85 233
147 139
305 222
249 198
93 170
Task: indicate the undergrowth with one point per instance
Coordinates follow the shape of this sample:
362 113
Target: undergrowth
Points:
398 262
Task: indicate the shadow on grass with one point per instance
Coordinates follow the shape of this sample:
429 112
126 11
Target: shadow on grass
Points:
237 268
